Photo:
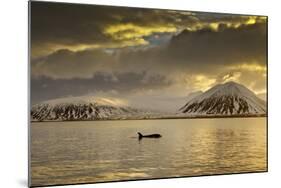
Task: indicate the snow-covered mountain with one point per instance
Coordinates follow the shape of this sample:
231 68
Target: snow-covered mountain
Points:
84 108
225 99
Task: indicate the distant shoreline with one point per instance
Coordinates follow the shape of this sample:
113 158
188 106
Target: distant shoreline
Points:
159 118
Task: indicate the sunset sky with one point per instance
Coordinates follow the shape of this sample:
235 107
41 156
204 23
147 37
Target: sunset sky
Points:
142 57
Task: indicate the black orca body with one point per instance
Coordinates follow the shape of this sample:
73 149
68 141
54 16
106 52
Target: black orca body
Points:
149 135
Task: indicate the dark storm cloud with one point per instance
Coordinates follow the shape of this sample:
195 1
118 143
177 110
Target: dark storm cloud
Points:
44 88
203 51
68 64
56 26
198 51
228 45
78 23
66 23
80 49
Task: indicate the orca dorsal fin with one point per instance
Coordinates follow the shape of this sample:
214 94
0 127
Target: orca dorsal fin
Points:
140 135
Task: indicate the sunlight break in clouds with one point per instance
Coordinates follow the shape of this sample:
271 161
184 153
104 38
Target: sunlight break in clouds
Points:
146 56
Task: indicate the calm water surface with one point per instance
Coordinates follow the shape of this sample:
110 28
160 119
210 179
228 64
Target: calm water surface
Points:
97 151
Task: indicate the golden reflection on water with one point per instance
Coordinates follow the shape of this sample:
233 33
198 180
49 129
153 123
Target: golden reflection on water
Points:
80 152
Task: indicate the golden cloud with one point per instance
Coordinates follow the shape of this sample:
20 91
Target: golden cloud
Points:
51 48
234 76
199 82
252 75
250 67
246 20
133 34
123 35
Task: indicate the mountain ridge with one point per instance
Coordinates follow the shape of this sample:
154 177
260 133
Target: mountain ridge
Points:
228 99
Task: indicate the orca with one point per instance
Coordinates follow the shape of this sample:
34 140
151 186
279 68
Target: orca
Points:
149 135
